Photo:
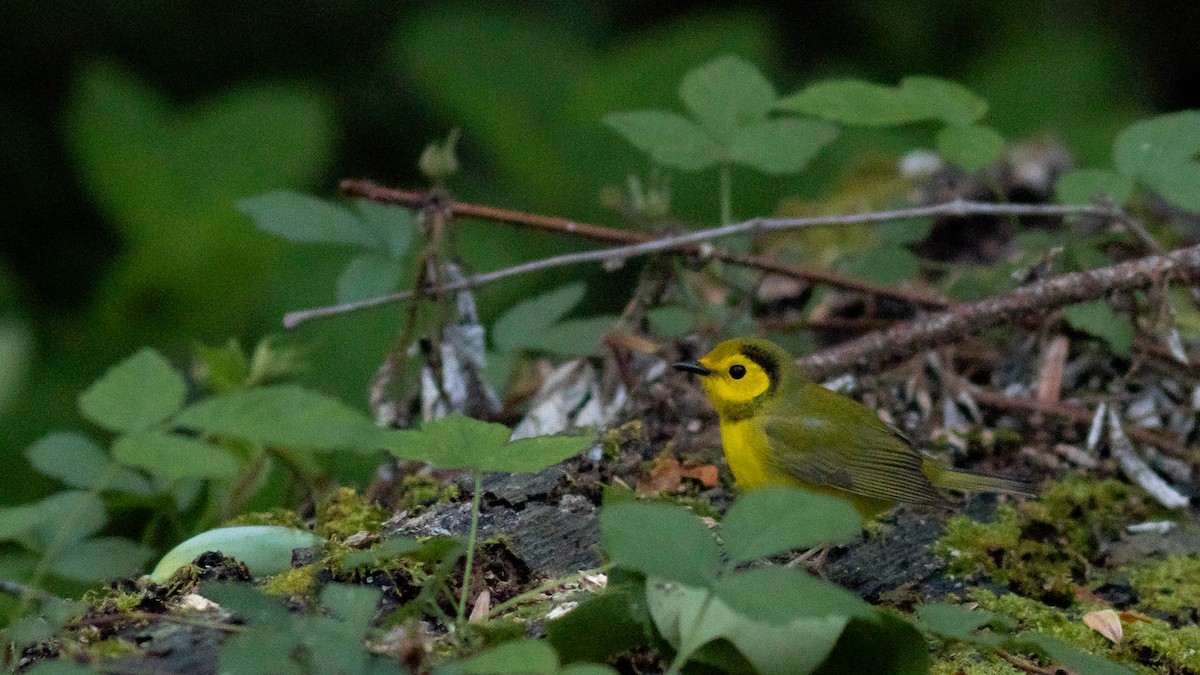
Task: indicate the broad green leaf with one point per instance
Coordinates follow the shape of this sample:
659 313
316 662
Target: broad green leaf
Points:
302 218
782 594
780 146
1071 657
669 139
392 225
524 655
619 614
1179 185
670 321
101 559
369 275
77 461
136 394
883 644
286 415
1098 319
459 442
353 605
520 325
175 457
971 147
887 265
772 520
943 99
904 231
1083 185
59 520
573 337
1148 148
854 102
725 94
953 621
660 540
689 618
266 549
258 610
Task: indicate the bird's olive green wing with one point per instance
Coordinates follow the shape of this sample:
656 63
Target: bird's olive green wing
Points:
824 438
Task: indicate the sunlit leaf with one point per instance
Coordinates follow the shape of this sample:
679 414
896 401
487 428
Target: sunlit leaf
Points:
174 456
725 94
302 218
971 147
1083 185
136 394
781 594
669 139
660 540
286 415
266 549
459 442
1098 318
780 146
79 462
100 559
773 520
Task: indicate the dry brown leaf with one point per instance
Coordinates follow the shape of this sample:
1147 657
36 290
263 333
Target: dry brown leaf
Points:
1107 623
705 473
483 605
664 475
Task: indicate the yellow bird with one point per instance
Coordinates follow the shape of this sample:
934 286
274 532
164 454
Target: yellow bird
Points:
778 427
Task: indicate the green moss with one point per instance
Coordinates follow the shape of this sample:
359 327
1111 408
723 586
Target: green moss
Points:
111 601
417 492
112 648
1033 615
297 581
1170 585
277 516
614 440
345 513
1042 549
1163 648
964 659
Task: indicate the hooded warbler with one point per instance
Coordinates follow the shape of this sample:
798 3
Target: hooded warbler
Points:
778 427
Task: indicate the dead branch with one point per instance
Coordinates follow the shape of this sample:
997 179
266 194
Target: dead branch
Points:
905 340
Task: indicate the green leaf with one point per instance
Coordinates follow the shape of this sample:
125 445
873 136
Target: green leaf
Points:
772 520
302 218
1098 319
392 548
1179 185
971 147
251 605
883 644
854 102
1083 185
669 321
1062 653
369 275
459 442
953 621
943 99
782 594
574 337
689 618
136 394
515 328
660 540
285 415
61 519
77 461
904 231
266 549
354 605
725 94
175 457
780 146
392 225
886 265
59 666
1148 148
524 655
618 614
667 138
101 559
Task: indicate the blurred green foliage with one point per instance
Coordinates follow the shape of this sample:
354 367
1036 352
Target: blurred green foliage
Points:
130 150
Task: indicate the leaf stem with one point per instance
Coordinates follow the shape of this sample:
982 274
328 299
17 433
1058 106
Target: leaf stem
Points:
682 656
553 583
466 585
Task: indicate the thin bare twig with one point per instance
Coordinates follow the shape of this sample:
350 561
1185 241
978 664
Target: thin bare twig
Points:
905 340
639 244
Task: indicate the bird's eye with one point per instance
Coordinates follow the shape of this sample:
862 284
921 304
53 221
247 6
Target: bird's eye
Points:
737 372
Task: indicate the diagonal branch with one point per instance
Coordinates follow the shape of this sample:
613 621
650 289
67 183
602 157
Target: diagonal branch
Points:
903 341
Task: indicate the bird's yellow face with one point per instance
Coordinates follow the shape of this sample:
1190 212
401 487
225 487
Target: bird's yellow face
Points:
735 375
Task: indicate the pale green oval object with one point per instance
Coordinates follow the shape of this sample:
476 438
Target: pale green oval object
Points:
266 549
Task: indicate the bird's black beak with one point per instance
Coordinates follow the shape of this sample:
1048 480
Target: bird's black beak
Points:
692 367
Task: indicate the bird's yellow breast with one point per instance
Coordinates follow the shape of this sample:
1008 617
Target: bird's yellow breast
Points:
748 454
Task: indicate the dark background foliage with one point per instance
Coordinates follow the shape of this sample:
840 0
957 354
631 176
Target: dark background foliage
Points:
527 83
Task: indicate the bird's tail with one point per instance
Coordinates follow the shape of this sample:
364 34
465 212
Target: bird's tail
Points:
967 481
